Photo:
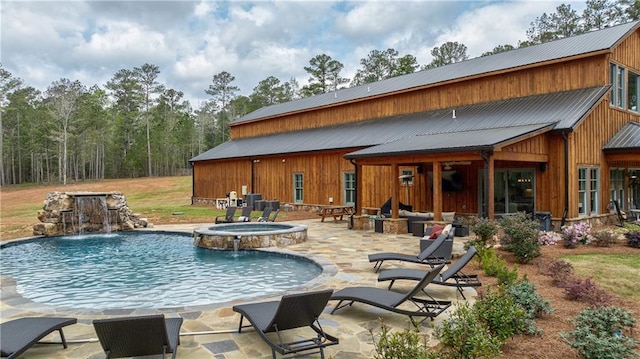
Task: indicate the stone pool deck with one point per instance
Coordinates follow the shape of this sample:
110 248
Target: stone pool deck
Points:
210 331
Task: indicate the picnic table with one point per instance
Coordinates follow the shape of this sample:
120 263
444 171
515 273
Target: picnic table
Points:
335 212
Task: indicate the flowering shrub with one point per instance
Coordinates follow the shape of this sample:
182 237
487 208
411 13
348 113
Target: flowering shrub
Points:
578 233
548 238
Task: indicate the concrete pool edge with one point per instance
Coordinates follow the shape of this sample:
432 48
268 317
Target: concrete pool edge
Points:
9 294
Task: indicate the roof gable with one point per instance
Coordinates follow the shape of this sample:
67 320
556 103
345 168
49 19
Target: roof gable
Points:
590 42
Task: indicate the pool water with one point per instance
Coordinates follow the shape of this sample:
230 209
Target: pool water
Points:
145 270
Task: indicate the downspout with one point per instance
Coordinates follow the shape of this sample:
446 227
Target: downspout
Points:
485 189
566 178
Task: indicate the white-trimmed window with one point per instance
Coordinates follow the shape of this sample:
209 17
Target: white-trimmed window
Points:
633 92
617 85
298 188
349 188
588 190
407 177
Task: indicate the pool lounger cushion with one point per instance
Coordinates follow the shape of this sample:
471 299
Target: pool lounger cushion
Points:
20 334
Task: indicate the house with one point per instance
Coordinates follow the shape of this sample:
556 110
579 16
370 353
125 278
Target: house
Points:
548 128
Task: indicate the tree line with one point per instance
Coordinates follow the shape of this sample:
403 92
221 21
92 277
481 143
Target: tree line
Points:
135 126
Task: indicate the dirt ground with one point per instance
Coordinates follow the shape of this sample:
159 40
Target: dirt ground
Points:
548 345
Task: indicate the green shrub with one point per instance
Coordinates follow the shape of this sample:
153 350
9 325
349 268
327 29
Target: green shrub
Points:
484 229
501 313
494 266
604 237
407 344
601 333
506 276
524 294
464 336
521 236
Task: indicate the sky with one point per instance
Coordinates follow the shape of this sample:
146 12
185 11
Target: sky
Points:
191 41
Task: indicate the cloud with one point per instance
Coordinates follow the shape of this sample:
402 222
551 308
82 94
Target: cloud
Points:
191 41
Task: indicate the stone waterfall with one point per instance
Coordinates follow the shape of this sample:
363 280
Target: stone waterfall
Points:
86 212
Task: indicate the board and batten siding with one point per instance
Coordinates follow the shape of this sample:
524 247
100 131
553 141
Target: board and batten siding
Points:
569 75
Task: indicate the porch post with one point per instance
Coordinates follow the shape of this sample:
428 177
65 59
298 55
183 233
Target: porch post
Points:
437 191
358 199
395 191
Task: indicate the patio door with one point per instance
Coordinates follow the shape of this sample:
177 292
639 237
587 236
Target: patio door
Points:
514 191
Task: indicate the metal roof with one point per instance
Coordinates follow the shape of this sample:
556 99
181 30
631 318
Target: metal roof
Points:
454 141
564 109
627 138
564 48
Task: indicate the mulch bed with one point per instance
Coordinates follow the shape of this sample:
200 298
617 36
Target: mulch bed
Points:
549 344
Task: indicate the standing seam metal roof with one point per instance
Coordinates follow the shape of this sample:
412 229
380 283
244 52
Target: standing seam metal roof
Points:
572 46
627 138
564 109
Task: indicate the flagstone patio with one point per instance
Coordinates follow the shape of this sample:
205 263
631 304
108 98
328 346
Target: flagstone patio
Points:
211 331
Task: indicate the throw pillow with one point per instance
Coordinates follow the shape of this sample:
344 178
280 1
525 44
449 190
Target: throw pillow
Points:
436 230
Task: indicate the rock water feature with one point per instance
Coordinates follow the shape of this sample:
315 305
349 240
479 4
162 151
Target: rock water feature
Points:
86 212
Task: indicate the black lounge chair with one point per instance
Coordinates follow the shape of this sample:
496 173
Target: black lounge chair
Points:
246 214
425 257
16 336
453 276
138 336
266 212
391 301
292 311
227 217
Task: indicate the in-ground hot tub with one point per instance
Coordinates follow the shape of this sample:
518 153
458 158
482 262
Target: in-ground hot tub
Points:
249 235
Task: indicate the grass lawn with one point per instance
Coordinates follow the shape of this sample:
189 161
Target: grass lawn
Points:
617 273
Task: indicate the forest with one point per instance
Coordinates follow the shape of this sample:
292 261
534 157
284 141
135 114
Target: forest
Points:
135 126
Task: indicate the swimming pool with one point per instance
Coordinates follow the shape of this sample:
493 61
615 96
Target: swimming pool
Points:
145 270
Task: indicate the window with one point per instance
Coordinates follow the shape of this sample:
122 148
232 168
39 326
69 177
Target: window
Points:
349 188
588 189
298 189
633 92
617 85
616 177
407 177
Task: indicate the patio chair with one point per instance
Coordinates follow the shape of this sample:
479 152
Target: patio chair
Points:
246 214
425 257
227 217
138 336
273 218
391 301
292 311
266 212
622 215
453 276
18 335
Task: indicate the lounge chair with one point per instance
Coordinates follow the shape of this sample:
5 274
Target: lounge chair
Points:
16 336
391 301
273 217
227 217
453 276
138 336
425 257
292 311
246 214
266 212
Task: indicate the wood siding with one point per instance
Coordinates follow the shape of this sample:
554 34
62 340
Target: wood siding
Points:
580 73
